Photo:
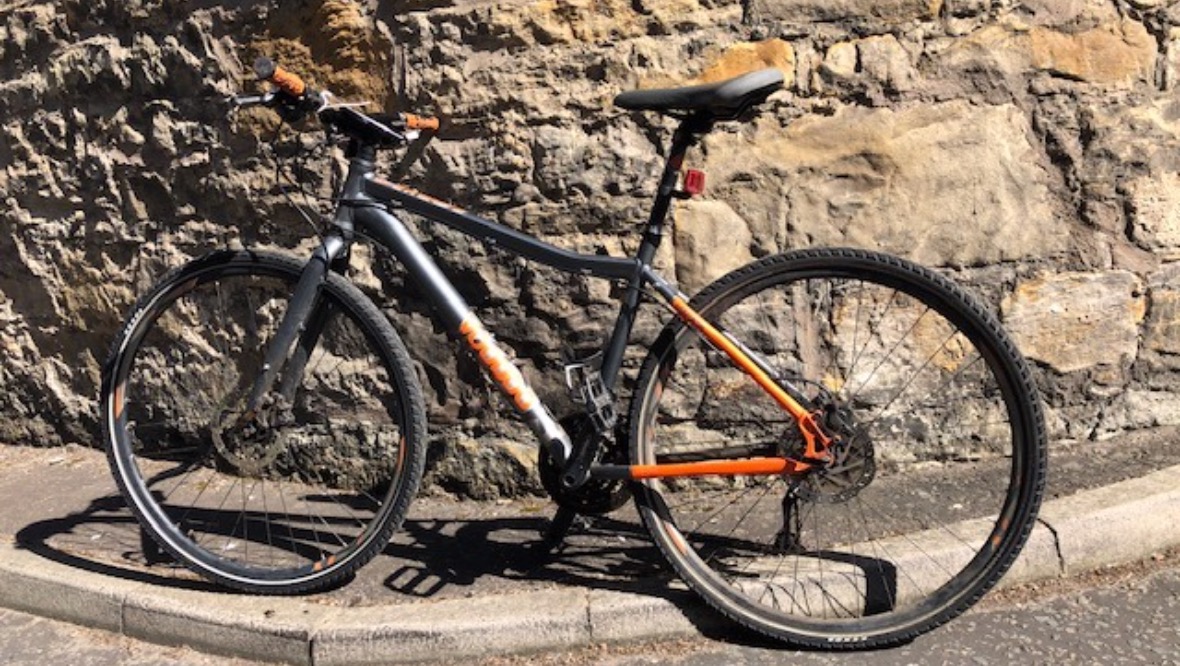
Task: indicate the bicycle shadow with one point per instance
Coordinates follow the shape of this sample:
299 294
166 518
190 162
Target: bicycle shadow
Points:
600 552
429 559
103 538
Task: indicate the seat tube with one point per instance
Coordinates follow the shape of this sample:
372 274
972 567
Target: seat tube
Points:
462 322
685 137
687 134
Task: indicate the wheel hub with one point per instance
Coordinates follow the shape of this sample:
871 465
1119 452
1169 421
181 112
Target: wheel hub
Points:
851 467
248 442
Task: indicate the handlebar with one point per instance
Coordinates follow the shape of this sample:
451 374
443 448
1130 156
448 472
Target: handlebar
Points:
293 99
425 123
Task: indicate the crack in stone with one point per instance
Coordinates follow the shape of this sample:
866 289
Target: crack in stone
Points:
1056 544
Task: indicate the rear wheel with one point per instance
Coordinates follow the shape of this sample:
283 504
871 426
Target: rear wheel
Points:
937 470
297 494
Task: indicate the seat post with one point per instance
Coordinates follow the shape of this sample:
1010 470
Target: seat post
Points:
687 134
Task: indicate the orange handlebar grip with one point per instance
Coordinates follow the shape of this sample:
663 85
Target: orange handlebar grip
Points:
286 81
421 123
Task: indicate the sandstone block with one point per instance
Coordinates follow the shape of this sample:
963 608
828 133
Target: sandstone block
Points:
1161 332
879 60
1069 15
1155 213
710 241
1119 53
749 56
884 60
547 22
485 469
1172 58
840 61
1076 321
1149 409
887 12
940 184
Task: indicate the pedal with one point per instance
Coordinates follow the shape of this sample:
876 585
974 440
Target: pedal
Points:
584 380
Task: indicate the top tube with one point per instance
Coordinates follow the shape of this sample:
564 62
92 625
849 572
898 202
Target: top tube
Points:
499 235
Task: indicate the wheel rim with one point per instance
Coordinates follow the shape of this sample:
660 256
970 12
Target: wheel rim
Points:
867 555
288 496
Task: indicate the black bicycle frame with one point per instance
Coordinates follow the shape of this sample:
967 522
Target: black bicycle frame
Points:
368 205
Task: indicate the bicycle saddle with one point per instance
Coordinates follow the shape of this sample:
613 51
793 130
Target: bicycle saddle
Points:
723 100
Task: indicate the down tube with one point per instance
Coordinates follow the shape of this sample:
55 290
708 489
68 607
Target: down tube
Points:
458 318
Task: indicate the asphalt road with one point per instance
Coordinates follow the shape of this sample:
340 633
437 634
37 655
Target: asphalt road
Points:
28 640
1125 615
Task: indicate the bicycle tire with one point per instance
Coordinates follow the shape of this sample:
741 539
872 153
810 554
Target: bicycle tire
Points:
940 481
296 496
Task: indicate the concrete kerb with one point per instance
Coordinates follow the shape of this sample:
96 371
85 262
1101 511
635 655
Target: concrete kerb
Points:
35 585
1118 523
455 629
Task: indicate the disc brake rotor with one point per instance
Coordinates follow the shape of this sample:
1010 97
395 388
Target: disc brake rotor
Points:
248 443
852 465
850 472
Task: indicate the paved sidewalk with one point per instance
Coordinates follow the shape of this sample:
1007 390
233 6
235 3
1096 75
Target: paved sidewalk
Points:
468 579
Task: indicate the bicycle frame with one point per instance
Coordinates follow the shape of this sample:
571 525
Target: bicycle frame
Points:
900 386
366 207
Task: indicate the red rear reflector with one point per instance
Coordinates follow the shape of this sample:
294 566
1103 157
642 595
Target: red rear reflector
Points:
694 182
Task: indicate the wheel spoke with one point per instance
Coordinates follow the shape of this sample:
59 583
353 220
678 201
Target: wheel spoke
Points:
258 501
880 540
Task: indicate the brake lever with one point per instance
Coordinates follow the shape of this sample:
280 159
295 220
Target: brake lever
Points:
330 101
246 101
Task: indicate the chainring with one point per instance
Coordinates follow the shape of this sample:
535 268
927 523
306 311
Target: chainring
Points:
593 498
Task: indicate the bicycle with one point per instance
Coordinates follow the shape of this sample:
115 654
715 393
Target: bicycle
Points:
834 447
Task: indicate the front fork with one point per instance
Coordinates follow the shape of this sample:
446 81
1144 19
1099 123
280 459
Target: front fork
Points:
304 321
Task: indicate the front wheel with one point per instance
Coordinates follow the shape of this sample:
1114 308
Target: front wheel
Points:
296 493
936 474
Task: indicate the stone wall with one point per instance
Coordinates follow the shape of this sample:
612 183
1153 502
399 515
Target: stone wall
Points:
1029 148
